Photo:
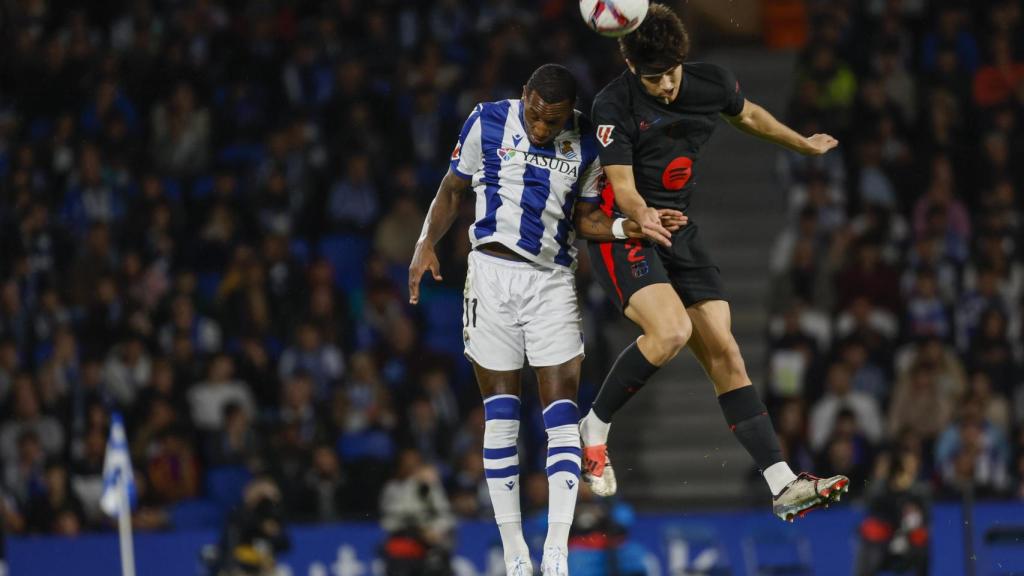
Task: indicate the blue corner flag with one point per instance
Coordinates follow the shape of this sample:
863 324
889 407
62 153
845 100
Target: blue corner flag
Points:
117 470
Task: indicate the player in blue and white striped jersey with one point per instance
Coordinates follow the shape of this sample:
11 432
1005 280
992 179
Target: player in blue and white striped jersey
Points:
533 166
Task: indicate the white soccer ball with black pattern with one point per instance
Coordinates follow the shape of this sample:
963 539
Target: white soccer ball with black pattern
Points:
613 17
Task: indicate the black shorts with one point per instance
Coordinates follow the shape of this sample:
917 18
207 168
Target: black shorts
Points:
625 266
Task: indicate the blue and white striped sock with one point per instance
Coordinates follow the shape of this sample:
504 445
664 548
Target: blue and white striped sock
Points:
561 419
501 467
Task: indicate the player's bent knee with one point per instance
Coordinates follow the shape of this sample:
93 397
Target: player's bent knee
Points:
673 339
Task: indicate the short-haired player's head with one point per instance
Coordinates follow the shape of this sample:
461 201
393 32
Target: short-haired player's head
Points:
655 52
548 98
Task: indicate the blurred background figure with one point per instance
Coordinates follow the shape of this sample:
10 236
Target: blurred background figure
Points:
894 536
417 517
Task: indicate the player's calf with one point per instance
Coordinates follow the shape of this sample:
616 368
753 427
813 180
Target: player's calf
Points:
501 468
563 470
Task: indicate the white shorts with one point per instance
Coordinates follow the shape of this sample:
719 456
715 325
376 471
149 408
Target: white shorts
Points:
512 309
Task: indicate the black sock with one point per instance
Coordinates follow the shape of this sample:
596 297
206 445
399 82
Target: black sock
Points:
748 418
627 376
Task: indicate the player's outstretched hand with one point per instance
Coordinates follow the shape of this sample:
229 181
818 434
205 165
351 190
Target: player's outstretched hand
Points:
651 226
820 143
672 220
422 260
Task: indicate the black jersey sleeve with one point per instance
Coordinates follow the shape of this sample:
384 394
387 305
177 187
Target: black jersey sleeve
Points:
613 126
732 96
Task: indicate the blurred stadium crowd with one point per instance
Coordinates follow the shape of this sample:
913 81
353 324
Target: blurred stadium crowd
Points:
898 283
208 209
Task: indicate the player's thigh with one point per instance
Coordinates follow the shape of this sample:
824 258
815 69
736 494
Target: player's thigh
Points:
551 319
658 311
712 330
491 333
493 382
559 382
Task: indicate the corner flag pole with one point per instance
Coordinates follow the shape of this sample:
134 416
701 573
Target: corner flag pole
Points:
124 528
119 490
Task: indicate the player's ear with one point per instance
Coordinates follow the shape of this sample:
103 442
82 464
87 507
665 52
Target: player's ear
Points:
524 92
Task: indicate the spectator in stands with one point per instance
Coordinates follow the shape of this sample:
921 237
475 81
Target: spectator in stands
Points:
992 353
353 202
28 418
840 395
172 467
927 313
326 495
395 239
867 276
237 443
321 361
55 508
995 82
918 404
203 333
994 406
24 473
208 399
127 370
973 451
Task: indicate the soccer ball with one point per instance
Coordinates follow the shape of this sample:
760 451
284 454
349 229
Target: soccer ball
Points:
613 17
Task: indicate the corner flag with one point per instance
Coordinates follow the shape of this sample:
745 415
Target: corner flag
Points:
119 490
117 469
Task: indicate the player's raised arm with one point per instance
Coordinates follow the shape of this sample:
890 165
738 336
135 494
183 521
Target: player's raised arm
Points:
440 217
629 201
754 119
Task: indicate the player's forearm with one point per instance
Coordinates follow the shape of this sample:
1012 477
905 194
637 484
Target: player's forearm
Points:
760 122
593 224
443 210
629 201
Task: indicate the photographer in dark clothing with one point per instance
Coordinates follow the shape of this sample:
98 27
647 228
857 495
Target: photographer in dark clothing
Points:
418 519
255 532
894 536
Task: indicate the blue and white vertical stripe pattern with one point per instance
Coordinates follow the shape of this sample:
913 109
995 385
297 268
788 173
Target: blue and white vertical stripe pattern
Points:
501 456
525 194
564 455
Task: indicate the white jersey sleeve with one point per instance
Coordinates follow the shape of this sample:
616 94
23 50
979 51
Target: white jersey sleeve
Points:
591 181
467 157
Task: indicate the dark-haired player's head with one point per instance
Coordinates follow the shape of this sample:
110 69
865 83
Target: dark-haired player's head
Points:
656 50
548 98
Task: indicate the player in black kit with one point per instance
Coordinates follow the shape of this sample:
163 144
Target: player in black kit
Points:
652 123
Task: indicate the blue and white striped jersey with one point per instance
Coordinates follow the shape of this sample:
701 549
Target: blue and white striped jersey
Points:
524 193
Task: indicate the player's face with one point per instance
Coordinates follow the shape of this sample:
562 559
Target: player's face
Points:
664 86
544 120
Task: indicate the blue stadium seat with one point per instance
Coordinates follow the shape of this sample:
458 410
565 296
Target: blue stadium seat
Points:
172 189
224 485
196 515
442 309
300 250
207 284
202 187
347 255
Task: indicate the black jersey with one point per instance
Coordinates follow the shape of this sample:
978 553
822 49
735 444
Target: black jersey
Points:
663 141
